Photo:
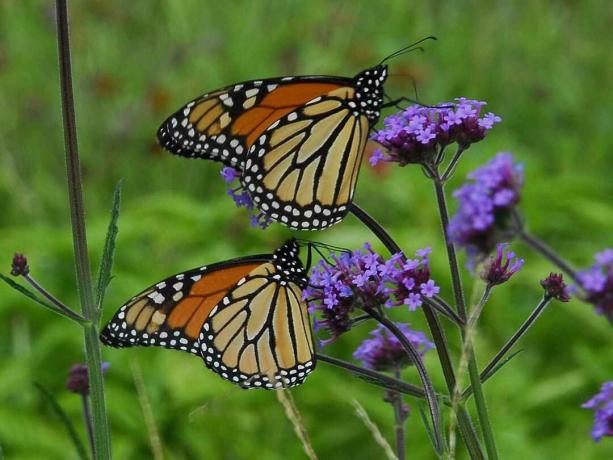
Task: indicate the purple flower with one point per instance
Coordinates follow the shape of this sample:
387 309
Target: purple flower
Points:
555 287
597 283
415 134
499 269
19 266
230 174
78 378
385 352
486 205
602 405
362 280
243 199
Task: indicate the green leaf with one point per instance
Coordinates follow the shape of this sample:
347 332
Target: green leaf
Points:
433 439
106 263
72 432
500 365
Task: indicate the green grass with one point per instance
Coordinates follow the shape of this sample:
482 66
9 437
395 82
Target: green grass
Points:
543 66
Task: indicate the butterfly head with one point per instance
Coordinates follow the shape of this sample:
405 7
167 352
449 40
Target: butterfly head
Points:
369 91
288 263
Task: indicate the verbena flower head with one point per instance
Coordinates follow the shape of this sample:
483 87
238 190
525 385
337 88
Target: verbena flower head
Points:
242 199
78 378
19 266
555 287
486 204
363 279
597 283
415 134
384 351
498 269
602 405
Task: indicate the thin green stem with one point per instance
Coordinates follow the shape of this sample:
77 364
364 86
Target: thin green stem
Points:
475 379
374 376
87 419
63 308
453 163
77 214
421 370
400 420
486 373
439 188
438 336
548 253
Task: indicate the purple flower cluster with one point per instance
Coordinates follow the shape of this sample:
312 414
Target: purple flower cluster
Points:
385 352
498 269
363 279
413 135
602 405
242 199
485 205
597 283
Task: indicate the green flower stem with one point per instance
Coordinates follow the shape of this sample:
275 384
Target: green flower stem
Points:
453 163
399 420
77 214
487 372
475 379
413 354
374 376
438 336
64 309
439 188
548 253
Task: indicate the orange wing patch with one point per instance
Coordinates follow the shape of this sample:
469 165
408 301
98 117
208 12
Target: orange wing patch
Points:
171 313
204 295
275 105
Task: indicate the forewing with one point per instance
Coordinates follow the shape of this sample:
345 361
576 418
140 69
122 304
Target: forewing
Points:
171 313
222 125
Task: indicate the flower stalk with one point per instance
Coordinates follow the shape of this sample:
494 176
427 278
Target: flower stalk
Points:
438 336
77 213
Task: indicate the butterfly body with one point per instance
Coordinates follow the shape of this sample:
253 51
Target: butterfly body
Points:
245 318
298 141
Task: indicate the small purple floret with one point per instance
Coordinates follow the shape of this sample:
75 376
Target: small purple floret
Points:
602 405
498 269
78 378
597 283
384 351
555 287
242 199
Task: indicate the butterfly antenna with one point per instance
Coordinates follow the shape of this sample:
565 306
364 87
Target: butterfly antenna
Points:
409 48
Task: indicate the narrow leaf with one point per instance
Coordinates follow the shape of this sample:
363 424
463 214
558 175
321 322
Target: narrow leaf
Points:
57 409
106 263
426 422
499 366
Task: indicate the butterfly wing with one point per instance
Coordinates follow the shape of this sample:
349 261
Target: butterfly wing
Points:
303 169
171 313
260 335
223 124
245 318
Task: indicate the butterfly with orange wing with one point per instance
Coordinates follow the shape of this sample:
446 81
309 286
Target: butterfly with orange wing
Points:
244 317
297 141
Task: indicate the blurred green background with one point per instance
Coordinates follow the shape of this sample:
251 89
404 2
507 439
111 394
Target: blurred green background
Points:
541 65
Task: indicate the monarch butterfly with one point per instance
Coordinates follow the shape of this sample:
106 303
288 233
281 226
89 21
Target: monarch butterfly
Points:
244 317
298 141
